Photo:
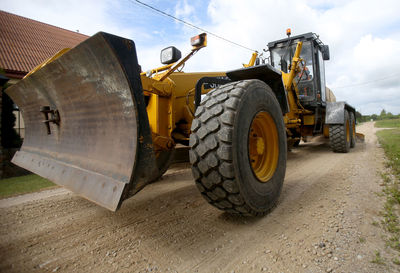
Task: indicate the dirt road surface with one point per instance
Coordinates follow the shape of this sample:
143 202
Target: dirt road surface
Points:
323 223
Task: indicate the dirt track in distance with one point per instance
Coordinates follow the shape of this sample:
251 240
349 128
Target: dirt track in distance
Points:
323 223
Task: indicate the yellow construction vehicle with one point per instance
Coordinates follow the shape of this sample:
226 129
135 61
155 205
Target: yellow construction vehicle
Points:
98 125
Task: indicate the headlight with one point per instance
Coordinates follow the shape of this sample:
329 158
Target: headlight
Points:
170 55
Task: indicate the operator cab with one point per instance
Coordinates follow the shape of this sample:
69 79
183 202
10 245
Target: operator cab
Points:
311 80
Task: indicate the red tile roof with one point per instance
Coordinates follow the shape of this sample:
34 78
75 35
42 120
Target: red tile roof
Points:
26 43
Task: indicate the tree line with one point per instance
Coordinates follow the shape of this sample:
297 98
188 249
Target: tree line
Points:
381 116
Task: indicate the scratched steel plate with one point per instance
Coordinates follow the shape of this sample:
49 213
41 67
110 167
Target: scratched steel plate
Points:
93 149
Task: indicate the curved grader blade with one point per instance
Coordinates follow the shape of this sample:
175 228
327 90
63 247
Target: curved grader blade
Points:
84 114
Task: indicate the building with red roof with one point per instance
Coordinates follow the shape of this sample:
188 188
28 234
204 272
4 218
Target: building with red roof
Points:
24 44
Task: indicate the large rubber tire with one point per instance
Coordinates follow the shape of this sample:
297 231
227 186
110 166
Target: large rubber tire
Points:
220 148
353 130
163 161
340 135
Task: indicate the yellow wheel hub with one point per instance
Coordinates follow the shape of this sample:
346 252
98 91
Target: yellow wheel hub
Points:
263 146
347 131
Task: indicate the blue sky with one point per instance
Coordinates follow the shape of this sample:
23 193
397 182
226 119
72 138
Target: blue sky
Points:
363 35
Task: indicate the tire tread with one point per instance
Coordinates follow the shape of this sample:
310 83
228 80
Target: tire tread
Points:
337 137
211 145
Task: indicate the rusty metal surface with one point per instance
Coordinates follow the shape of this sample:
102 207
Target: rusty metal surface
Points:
102 190
335 112
92 148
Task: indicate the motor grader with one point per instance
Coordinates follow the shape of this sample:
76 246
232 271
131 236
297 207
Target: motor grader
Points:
99 126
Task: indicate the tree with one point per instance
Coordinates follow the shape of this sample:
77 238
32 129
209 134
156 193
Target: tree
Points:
383 114
358 116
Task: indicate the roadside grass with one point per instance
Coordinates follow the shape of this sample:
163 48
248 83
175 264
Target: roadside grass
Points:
390 142
378 258
23 184
388 123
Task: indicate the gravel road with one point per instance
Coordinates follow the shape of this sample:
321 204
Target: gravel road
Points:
323 223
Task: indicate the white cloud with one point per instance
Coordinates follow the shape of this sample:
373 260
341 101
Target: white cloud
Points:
370 77
363 35
89 16
183 9
371 53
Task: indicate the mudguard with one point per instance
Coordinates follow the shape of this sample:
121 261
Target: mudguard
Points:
335 112
268 74
86 125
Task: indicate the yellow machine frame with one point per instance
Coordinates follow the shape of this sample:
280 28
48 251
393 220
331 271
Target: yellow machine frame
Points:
100 127
170 96
171 99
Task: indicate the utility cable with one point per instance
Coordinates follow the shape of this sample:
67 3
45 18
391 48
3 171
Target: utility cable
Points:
368 82
190 24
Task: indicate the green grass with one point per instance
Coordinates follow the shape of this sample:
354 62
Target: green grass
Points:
23 184
390 142
388 123
378 258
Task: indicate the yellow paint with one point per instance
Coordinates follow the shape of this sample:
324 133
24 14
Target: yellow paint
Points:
353 130
308 120
326 130
252 60
260 145
263 146
156 70
298 118
288 81
185 59
170 106
293 116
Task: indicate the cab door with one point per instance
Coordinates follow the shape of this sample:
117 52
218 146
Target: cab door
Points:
321 83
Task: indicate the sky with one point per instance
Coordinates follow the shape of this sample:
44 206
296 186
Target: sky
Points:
363 35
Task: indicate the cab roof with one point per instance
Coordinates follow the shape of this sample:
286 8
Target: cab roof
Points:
310 36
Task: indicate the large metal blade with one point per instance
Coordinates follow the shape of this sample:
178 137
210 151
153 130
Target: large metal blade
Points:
96 92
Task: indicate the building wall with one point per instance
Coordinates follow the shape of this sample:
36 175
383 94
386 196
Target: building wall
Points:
19 124
19 121
7 169
1 148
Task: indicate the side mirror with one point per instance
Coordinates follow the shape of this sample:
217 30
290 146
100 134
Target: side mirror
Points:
170 55
325 52
257 61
